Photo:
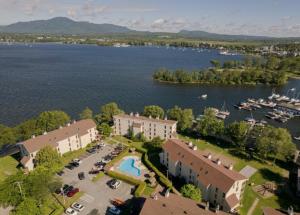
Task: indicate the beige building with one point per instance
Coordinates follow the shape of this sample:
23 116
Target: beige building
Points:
150 127
220 185
65 139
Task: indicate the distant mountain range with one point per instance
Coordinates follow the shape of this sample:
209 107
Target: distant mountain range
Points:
63 25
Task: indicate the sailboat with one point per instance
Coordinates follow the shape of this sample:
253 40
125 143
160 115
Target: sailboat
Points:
223 110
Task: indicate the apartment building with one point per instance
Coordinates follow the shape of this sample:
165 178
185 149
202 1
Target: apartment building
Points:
220 185
150 127
65 139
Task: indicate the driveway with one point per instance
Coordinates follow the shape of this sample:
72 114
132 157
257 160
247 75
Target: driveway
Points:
97 195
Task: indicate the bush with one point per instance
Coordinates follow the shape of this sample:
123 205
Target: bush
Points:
140 189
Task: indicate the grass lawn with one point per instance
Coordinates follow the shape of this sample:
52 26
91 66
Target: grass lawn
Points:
98 176
265 172
8 166
148 191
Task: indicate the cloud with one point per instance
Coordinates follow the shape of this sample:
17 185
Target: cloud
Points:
31 7
92 9
72 12
159 23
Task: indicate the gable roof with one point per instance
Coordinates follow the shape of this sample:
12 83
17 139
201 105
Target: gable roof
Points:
208 172
143 118
53 137
174 205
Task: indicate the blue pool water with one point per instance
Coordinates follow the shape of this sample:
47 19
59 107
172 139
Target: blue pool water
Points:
128 167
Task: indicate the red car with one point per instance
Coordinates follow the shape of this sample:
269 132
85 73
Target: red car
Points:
72 192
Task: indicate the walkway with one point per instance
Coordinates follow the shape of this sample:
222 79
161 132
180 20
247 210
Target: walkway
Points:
248 171
253 206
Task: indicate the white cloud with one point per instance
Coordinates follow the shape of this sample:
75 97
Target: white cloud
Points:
160 24
72 12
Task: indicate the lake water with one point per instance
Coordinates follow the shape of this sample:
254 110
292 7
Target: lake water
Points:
70 77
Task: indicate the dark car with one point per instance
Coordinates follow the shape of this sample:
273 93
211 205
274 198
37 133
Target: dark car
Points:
72 192
75 164
67 190
81 176
60 173
70 167
91 151
94 171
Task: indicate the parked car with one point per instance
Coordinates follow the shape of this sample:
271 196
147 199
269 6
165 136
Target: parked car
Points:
67 189
81 176
74 164
91 151
70 166
94 171
60 173
78 207
76 160
114 183
72 192
102 144
114 210
70 211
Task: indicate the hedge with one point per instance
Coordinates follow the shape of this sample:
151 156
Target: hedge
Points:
141 185
161 177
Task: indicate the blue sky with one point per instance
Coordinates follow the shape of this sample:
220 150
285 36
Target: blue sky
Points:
253 17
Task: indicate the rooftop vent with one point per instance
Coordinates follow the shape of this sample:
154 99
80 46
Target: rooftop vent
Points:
137 114
195 148
60 127
157 117
131 114
230 167
218 161
209 156
166 118
74 121
190 144
150 117
68 124
33 136
45 132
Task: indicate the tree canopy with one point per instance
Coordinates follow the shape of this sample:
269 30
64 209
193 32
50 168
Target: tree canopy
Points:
104 129
238 132
154 111
107 112
7 136
209 125
191 191
51 120
49 158
184 117
87 113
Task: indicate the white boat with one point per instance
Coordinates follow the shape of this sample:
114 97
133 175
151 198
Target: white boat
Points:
297 138
223 111
204 96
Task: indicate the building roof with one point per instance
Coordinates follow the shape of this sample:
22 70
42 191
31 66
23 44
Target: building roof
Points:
174 205
232 201
143 118
272 211
24 160
53 137
209 172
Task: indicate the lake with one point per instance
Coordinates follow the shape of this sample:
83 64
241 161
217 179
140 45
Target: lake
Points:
39 77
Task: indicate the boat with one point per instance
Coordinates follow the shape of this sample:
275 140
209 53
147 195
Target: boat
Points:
297 138
223 110
221 116
204 96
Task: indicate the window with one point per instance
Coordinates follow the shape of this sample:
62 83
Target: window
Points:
223 195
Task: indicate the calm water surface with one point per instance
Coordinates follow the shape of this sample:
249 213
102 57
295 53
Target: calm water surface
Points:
71 77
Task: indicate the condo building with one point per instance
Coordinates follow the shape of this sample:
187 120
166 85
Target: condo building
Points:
148 126
220 185
72 137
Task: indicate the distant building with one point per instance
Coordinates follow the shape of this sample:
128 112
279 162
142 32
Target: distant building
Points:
220 185
65 139
148 126
175 205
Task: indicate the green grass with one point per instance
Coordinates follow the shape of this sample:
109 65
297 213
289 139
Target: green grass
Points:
148 191
68 201
265 172
98 177
8 166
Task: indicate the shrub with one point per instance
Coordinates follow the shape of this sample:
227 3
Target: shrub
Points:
140 189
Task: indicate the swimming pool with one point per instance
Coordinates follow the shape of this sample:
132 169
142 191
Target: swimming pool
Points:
127 166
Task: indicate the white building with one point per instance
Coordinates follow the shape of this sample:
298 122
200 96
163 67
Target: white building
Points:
220 185
150 127
65 139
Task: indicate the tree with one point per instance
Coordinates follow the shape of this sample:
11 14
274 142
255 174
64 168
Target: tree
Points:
107 112
86 114
184 117
191 191
26 129
215 63
209 125
154 111
51 120
7 136
49 158
28 206
104 129
238 132
154 145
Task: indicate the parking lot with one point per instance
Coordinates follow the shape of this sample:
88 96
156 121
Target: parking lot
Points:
97 195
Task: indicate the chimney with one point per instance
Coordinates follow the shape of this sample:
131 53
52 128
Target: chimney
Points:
131 114
209 156
60 127
150 117
45 132
167 193
195 148
218 161
230 167
166 118
137 114
190 144
74 121
68 124
157 117
207 206
33 136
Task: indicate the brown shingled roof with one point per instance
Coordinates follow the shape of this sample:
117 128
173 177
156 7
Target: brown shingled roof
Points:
126 116
174 205
24 160
208 171
232 201
51 138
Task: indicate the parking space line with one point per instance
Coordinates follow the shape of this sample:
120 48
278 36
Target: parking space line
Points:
87 198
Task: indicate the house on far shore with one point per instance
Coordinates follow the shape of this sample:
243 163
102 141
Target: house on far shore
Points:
220 185
172 204
72 137
148 126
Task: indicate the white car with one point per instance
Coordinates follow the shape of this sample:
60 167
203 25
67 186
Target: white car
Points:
78 207
114 210
71 211
102 144
105 160
114 184
76 160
